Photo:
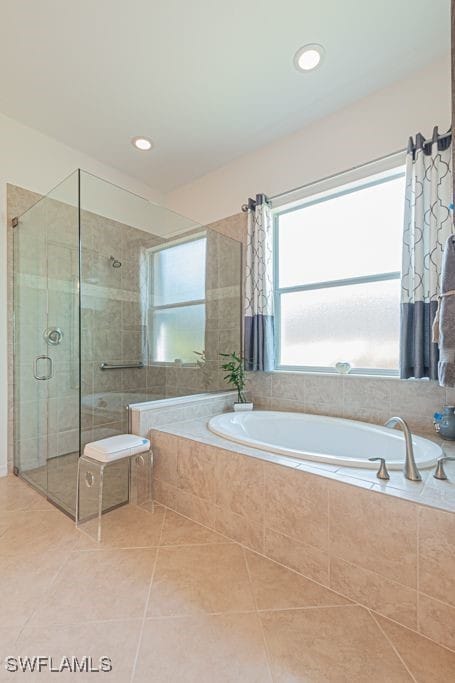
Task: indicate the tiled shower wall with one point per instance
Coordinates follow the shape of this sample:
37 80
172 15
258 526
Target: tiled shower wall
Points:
112 325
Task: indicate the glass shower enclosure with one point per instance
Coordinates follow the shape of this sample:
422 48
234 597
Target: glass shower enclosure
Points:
115 301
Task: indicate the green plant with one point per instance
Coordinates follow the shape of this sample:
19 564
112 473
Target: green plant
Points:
235 374
202 359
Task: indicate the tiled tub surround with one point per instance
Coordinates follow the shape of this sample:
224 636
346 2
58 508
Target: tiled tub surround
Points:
392 554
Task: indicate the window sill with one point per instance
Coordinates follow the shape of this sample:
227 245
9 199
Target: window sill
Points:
331 372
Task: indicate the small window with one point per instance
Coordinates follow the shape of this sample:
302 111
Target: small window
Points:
337 277
178 301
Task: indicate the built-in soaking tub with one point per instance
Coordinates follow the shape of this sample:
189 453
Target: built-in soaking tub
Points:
322 439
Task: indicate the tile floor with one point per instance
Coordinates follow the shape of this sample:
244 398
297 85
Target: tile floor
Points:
171 601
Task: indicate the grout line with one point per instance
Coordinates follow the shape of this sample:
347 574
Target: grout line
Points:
64 624
261 626
329 564
147 599
212 529
151 547
372 571
307 607
416 633
418 516
304 576
392 645
193 615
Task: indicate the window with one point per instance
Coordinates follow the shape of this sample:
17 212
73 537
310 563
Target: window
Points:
337 277
178 301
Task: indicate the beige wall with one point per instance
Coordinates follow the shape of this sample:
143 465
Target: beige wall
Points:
370 128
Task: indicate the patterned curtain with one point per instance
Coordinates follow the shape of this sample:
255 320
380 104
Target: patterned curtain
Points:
259 333
427 225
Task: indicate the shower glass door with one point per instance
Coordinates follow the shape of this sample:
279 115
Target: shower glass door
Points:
46 344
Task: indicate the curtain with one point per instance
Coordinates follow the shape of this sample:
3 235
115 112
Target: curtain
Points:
259 325
427 225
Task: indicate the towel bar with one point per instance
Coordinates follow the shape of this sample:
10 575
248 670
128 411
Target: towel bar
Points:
119 366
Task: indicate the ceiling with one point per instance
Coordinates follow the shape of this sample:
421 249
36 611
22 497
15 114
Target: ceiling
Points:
207 80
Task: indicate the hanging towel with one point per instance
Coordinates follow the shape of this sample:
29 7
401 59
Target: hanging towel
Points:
446 365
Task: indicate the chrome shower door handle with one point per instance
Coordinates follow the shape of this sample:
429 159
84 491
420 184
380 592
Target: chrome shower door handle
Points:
50 373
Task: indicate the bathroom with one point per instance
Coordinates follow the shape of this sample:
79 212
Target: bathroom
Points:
163 223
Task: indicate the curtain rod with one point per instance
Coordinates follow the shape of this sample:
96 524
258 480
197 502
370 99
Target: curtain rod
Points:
348 170
336 175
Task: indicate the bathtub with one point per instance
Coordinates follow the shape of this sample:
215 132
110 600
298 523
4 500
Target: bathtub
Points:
322 439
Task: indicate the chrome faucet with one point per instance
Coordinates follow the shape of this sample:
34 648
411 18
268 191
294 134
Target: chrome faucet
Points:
410 468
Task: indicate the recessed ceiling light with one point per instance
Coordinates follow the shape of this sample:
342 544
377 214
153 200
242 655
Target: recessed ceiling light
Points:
308 57
144 144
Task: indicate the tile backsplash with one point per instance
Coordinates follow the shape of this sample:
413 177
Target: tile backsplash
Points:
370 399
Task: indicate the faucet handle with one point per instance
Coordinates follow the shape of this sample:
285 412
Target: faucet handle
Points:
439 471
382 472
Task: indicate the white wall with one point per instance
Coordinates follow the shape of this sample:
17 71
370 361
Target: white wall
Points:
370 128
35 161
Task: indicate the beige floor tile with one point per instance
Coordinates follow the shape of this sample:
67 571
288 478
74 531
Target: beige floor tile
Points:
204 578
375 591
225 648
179 530
30 531
428 662
8 638
116 640
24 579
330 645
98 585
275 587
126 527
17 495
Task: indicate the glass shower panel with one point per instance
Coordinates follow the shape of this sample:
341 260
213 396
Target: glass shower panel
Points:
119 230
46 340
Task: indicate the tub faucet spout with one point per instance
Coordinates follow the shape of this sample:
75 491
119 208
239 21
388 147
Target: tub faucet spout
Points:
410 468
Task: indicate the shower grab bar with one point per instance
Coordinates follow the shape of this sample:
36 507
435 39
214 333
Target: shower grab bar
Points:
119 366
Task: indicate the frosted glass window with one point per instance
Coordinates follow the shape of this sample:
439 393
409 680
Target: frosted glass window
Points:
179 273
355 323
177 316
347 236
337 278
178 333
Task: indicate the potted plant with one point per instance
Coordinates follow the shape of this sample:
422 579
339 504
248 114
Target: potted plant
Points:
235 370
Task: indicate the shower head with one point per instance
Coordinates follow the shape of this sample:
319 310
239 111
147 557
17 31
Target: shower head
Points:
115 263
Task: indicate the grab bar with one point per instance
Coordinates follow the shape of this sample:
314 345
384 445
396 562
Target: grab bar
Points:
119 366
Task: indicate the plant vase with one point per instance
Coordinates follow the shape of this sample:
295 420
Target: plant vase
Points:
239 407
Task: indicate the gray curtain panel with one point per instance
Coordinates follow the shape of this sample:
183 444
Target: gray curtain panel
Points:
427 225
259 347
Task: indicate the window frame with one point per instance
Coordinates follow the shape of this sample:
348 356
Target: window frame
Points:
151 251
395 172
